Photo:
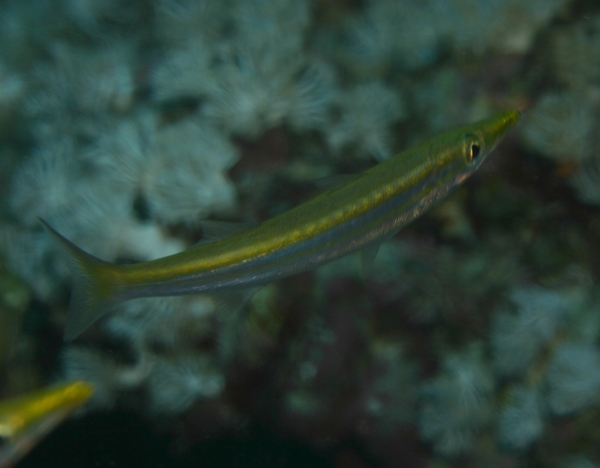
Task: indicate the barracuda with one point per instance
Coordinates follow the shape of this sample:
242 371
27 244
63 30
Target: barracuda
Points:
357 215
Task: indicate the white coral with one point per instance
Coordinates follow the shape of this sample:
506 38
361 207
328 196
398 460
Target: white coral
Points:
456 403
518 337
559 126
573 377
176 383
521 420
367 113
188 180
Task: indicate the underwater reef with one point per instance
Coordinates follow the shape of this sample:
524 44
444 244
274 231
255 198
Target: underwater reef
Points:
140 128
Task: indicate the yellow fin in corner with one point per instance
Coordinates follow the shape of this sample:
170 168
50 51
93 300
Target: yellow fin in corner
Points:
25 419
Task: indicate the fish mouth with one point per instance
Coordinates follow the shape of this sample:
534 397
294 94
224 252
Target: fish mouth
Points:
494 128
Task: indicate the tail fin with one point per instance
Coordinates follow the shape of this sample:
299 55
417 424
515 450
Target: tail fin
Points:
93 285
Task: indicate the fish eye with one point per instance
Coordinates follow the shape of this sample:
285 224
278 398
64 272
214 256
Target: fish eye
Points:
473 147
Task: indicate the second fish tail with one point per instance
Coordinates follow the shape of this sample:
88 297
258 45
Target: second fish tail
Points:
94 286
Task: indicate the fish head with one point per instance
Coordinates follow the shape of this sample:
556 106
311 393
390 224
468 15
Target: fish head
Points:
480 139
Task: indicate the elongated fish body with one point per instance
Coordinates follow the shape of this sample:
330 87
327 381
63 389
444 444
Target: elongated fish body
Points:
358 214
27 418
